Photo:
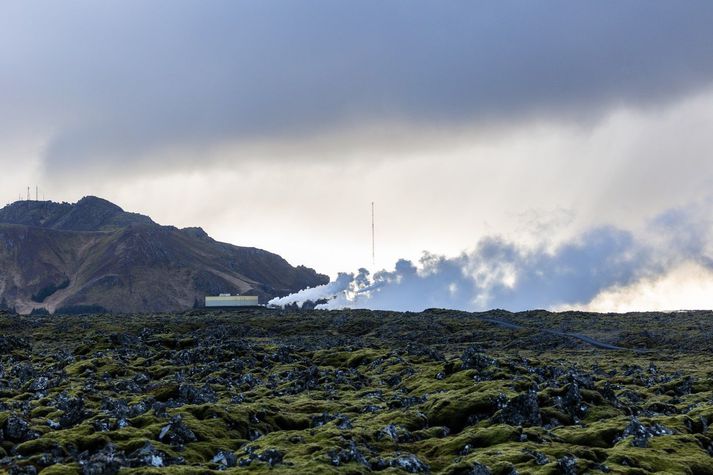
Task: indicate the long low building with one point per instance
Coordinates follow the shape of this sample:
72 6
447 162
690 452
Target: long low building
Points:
227 300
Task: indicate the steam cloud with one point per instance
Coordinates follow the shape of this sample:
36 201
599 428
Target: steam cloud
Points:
502 274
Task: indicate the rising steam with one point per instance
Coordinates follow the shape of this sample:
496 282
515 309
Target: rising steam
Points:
500 274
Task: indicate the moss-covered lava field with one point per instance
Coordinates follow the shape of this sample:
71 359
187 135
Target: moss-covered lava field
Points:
356 392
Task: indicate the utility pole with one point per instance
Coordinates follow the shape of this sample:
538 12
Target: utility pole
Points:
37 193
28 193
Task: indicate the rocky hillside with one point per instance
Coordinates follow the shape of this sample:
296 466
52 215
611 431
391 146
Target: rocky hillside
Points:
68 257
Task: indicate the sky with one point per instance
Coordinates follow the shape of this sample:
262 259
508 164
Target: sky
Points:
552 154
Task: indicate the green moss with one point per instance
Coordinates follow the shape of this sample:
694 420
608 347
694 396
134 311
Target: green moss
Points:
346 359
128 434
36 446
289 421
463 401
309 405
164 392
62 469
41 411
144 420
596 435
453 408
132 444
78 368
602 412
667 454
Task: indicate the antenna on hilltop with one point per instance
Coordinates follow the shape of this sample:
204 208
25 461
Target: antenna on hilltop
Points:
373 253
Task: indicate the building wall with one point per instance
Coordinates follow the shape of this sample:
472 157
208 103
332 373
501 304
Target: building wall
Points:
231 301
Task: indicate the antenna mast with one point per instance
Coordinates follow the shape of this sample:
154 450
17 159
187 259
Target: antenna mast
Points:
373 254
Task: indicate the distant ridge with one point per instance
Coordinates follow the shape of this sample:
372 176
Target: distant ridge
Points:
94 255
88 214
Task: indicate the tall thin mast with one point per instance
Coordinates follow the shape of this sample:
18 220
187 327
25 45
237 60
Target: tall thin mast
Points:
373 253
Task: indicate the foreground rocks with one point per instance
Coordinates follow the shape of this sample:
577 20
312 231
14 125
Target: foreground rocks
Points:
352 392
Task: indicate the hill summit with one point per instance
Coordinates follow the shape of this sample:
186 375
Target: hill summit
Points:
93 255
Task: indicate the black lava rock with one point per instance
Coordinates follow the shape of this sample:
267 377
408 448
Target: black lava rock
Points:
409 463
343 456
271 456
225 458
642 433
567 465
474 358
74 412
107 461
522 410
18 430
176 432
149 456
191 395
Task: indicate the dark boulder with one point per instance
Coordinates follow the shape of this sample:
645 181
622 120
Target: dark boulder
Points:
271 456
479 469
149 456
22 470
410 463
73 411
8 344
539 457
474 358
567 465
342 456
642 433
107 461
18 430
191 395
522 410
176 432
225 458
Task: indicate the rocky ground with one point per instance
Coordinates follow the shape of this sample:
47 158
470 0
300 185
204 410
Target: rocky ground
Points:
357 391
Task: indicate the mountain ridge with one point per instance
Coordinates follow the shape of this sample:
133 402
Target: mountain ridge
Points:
63 256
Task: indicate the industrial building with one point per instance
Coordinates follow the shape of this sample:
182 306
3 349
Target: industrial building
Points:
227 300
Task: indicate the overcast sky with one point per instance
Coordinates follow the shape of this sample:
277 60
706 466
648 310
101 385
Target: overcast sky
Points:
276 124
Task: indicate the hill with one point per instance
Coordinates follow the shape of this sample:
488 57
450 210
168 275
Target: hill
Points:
94 254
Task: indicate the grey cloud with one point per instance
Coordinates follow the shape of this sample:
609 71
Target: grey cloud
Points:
120 79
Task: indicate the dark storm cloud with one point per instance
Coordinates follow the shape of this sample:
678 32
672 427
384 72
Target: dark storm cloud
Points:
118 79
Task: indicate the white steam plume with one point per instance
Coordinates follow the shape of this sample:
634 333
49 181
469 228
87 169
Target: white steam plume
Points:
500 274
